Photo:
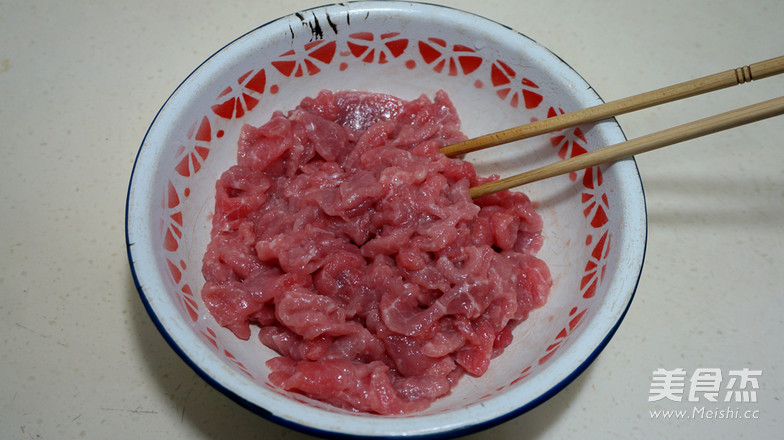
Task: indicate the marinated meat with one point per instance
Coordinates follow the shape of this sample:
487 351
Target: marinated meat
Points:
352 244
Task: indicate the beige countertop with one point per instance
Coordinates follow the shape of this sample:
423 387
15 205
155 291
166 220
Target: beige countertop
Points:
80 81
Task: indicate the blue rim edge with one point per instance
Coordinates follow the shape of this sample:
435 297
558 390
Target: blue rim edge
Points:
457 432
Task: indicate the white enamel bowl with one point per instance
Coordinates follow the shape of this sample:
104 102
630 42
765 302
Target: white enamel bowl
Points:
595 221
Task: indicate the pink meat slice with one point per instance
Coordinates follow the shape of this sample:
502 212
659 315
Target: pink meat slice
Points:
350 242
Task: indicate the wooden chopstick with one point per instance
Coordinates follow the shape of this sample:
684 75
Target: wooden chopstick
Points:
612 153
664 95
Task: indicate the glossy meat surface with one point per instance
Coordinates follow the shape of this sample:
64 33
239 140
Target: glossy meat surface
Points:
351 243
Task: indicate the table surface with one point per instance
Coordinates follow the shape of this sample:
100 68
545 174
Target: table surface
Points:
80 81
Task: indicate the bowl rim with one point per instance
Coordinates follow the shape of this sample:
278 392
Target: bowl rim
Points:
445 433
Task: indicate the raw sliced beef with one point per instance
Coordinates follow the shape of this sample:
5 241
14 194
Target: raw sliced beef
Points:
351 242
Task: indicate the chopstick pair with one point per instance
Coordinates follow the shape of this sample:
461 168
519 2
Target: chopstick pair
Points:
691 130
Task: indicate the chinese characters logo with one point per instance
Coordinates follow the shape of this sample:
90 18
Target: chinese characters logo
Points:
705 383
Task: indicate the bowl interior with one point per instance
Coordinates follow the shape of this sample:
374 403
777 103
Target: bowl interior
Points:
496 78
